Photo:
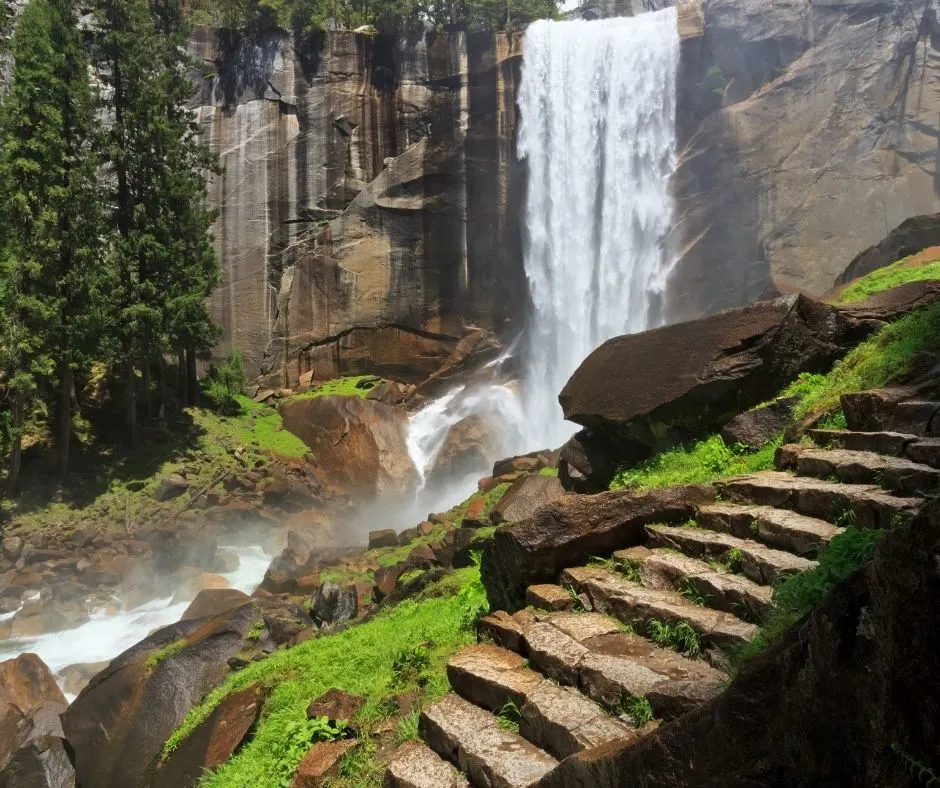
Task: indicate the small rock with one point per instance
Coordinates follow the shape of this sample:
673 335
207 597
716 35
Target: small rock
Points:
200 582
337 706
213 601
12 547
426 528
386 578
226 561
408 535
422 557
476 514
385 537
320 762
170 487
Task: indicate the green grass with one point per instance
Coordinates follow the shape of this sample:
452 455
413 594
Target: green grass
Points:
509 716
343 387
161 654
490 499
375 659
548 472
888 355
701 463
690 591
623 566
797 595
677 635
898 273
637 708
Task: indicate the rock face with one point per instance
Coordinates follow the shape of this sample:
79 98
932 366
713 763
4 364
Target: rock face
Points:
356 445
366 208
30 704
834 677
469 447
118 724
571 530
809 130
719 365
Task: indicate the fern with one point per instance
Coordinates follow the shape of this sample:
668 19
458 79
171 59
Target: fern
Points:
919 771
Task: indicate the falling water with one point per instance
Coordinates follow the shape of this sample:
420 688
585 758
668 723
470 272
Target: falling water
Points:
597 133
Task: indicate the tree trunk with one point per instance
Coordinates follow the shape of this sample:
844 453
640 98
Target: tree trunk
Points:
148 384
181 373
191 381
131 404
16 453
64 440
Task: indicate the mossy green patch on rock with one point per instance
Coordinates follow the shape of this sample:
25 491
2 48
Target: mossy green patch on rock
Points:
899 273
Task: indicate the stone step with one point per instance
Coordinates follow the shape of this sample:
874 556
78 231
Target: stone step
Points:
472 739
721 589
547 596
415 765
558 720
780 528
861 505
591 651
864 467
756 561
890 443
634 604
895 444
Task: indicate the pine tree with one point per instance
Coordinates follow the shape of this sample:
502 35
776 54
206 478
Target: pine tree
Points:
48 209
162 249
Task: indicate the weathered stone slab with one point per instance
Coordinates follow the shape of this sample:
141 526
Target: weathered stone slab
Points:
780 528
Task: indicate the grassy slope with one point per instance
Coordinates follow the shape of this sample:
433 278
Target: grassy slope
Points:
898 273
114 485
402 650
888 355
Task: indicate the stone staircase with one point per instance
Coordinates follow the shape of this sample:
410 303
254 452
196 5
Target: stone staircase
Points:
643 635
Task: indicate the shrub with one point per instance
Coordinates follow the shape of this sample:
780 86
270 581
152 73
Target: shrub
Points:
222 385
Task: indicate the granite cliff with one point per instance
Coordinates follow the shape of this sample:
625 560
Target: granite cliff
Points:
369 206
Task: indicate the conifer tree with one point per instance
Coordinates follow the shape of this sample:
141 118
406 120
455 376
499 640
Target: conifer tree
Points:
162 250
49 243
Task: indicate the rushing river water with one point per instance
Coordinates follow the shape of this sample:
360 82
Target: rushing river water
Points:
106 634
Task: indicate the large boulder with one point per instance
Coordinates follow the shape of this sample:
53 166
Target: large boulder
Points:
356 445
717 367
30 704
525 498
571 530
754 428
857 669
118 724
213 741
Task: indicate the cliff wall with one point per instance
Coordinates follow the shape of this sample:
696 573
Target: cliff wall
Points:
367 204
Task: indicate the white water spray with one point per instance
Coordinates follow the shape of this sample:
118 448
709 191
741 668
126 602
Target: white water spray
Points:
597 132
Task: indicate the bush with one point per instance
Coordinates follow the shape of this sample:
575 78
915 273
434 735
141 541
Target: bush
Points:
223 384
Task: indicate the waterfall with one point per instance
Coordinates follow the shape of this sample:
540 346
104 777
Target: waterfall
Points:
597 134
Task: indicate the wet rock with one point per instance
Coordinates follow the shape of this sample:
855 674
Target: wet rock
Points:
337 706
525 497
42 763
213 741
889 305
320 763
718 365
75 677
202 582
389 392
30 703
333 604
12 546
468 449
118 724
213 601
754 428
356 445
573 528
385 537
226 561
169 487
